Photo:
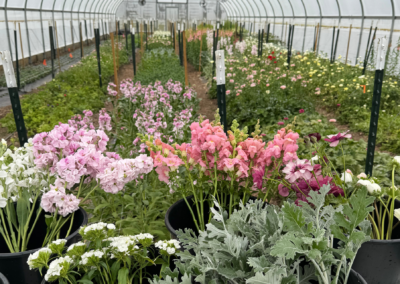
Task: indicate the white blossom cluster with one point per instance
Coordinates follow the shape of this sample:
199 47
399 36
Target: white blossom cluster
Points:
18 170
122 246
78 244
39 257
91 257
99 227
58 268
161 34
168 247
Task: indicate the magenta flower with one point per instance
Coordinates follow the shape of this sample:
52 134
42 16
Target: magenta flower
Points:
299 169
301 111
335 139
281 123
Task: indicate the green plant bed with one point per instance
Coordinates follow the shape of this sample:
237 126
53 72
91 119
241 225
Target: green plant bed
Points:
71 92
160 64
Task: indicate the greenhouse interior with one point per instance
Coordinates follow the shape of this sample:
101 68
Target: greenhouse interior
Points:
204 142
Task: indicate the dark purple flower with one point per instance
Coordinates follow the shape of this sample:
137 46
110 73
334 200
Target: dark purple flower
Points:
316 135
335 139
338 105
301 110
281 123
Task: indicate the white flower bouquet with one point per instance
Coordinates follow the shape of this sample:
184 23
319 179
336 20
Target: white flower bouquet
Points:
102 257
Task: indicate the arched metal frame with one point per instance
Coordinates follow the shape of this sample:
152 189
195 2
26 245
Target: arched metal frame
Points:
234 9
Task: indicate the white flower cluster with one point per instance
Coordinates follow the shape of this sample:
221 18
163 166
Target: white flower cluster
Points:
78 244
59 242
168 247
122 246
91 257
18 170
371 186
57 267
161 34
39 257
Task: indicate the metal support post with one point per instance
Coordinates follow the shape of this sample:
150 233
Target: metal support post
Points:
52 50
221 93
133 50
376 100
16 60
97 43
6 61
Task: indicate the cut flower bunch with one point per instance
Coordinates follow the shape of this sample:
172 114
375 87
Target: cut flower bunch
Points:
102 257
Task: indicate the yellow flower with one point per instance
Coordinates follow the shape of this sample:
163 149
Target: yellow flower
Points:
346 89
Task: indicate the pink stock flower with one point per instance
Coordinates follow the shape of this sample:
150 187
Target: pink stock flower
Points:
335 139
299 169
332 120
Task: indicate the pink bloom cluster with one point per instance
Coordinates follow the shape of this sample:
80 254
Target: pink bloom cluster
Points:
210 146
84 122
57 199
156 107
254 50
116 174
241 46
104 120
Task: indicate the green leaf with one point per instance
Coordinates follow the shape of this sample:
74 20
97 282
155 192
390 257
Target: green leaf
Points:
123 275
22 212
294 220
288 246
85 281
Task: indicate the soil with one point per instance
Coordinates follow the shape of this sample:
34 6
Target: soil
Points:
199 84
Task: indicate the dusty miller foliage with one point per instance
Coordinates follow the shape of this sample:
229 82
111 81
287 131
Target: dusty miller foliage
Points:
289 245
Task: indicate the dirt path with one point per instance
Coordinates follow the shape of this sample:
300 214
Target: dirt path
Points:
199 84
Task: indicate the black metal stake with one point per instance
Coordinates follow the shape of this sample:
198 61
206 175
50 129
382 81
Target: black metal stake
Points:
173 34
373 126
268 33
214 44
336 44
290 44
137 28
262 42
52 51
333 43
259 38
369 52
16 60
221 98
86 32
97 43
179 46
18 117
146 34
133 53
126 36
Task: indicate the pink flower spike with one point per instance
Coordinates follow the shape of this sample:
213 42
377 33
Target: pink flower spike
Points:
332 120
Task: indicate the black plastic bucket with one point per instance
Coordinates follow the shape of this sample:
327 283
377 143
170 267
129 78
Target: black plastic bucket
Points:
3 279
14 265
179 217
379 261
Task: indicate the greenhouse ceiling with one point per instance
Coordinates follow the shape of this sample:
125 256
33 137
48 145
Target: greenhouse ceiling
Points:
31 18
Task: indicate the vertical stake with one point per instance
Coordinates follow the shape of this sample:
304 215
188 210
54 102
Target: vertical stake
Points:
185 59
126 36
369 52
316 39
97 44
20 41
376 100
58 49
5 59
16 60
348 44
179 44
259 40
336 43
115 64
268 32
80 35
262 42
141 38
133 50
201 46
333 43
86 32
52 49
221 94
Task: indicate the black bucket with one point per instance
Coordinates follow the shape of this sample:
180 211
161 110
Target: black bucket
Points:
179 217
378 261
14 265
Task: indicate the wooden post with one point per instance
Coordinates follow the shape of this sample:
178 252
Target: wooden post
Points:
185 59
20 41
316 38
58 49
348 44
201 45
115 64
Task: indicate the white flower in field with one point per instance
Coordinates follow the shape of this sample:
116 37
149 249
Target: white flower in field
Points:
3 202
111 226
396 160
314 159
371 186
397 213
39 258
346 177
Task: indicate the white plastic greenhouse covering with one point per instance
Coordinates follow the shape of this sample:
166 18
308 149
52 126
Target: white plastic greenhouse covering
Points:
32 18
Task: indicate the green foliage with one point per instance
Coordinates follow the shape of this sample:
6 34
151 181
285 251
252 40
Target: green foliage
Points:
160 64
262 244
71 92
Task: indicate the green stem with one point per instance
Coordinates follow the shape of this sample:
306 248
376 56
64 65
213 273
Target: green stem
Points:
86 197
26 226
191 211
70 226
375 227
5 235
344 172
